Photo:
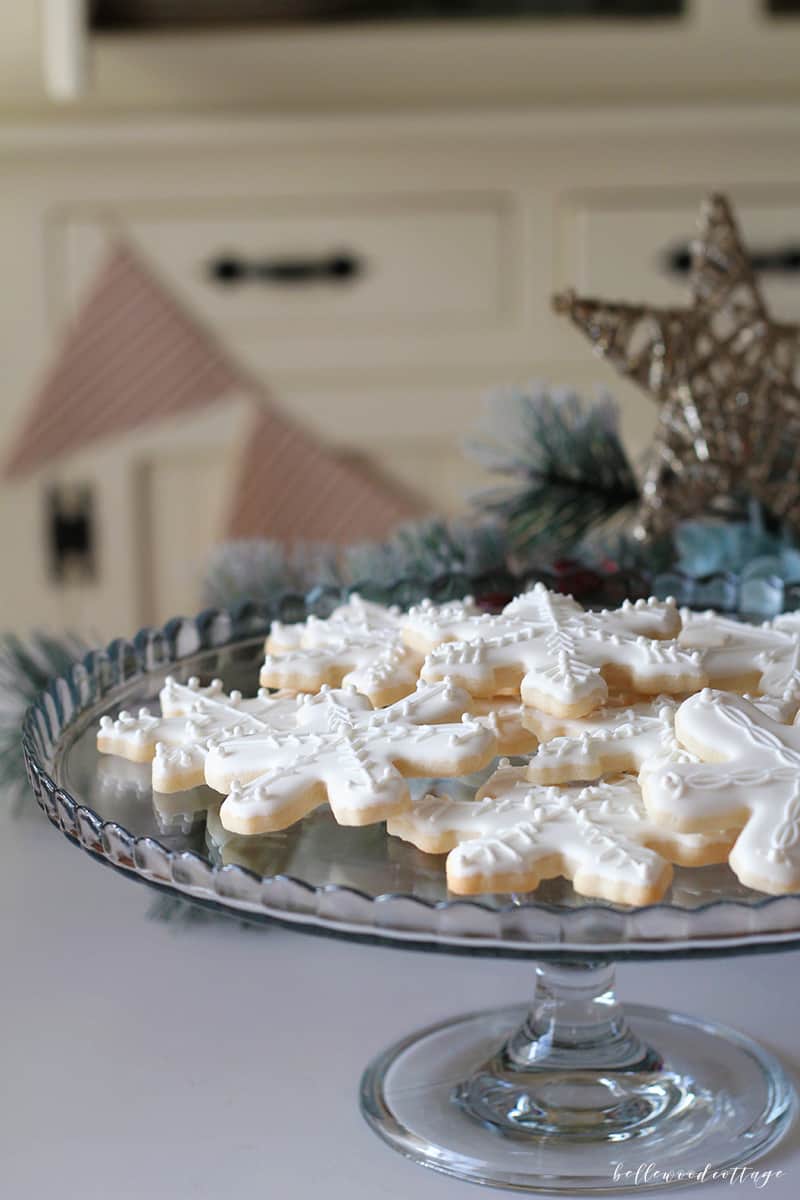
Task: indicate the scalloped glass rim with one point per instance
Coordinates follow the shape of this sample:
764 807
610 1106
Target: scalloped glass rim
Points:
519 926
746 595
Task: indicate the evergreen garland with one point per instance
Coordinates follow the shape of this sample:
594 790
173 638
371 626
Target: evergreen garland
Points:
260 569
566 464
428 550
26 666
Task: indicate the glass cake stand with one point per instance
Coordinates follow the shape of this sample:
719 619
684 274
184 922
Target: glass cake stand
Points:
571 1092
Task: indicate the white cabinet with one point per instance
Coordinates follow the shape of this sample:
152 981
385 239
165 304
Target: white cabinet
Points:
712 49
415 263
636 236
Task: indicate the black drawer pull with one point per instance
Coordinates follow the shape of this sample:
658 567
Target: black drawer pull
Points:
782 260
230 270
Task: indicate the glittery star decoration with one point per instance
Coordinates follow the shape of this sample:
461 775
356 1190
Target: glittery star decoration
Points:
723 374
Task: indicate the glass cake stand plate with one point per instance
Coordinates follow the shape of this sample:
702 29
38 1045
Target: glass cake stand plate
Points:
570 1093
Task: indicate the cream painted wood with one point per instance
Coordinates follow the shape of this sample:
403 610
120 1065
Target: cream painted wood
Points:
550 198
611 236
63 27
161 496
428 260
720 49
185 496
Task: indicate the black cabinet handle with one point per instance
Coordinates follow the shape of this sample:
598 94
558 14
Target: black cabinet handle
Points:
231 270
781 260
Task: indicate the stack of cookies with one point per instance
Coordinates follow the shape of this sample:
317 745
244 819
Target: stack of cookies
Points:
642 737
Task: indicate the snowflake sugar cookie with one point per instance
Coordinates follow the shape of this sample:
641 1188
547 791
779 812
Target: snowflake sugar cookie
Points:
748 778
360 645
426 625
789 622
349 754
194 719
615 738
515 834
560 658
740 657
606 742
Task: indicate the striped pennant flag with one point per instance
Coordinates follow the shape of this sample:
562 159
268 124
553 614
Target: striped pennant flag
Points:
133 356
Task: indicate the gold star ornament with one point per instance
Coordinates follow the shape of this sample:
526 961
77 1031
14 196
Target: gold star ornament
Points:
722 372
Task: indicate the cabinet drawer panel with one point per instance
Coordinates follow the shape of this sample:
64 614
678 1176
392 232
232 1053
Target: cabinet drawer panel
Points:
415 266
629 248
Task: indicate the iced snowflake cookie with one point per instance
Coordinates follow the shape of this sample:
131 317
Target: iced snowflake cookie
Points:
612 739
739 657
194 719
515 834
349 754
608 741
748 778
560 658
426 625
789 622
360 645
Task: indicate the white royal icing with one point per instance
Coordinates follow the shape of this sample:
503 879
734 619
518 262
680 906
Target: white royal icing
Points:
426 625
194 719
612 739
789 622
609 740
763 658
505 717
360 645
557 654
347 753
519 833
748 778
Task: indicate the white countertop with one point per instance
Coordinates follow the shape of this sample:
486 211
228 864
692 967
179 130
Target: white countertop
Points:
198 1058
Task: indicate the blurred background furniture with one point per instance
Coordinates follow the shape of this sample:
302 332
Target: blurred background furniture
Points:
370 218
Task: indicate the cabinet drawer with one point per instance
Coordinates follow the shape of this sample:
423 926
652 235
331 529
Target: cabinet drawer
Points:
630 247
434 262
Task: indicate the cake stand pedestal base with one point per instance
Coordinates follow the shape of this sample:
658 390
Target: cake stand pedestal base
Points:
577 1093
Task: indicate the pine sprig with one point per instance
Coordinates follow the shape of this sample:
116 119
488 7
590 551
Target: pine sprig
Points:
26 665
567 467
